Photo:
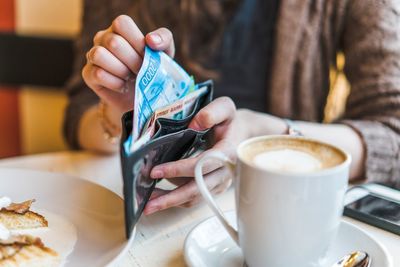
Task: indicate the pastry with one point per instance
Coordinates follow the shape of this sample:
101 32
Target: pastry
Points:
24 251
17 216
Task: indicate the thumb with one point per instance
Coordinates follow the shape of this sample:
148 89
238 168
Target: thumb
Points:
202 121
161 40
218 111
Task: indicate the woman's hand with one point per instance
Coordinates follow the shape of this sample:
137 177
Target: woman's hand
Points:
229 130
116 57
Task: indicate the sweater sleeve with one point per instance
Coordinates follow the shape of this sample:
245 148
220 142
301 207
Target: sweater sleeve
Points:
97 15
371 43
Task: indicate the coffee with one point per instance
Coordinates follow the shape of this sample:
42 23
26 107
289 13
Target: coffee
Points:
291 155
287 160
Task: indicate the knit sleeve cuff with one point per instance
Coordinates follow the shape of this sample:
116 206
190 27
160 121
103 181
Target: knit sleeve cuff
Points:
382 155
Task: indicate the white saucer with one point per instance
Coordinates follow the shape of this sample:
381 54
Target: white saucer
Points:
208 245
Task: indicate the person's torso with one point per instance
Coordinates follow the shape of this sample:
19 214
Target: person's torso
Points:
245 57
274 55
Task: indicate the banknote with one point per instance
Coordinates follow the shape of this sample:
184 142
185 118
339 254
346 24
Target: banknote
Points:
160 82
180 109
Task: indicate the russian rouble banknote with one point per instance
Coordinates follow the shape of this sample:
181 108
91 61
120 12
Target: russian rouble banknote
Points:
163 89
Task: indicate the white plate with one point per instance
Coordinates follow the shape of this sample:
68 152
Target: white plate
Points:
208 245
86 221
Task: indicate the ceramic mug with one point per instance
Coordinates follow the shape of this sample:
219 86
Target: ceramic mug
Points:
284 219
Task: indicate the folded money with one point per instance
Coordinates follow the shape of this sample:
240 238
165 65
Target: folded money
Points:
163 89
178 110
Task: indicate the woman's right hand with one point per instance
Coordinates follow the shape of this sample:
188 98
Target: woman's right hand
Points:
116 57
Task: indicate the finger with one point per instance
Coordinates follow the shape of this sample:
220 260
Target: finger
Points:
162 40
157 192
104 59
182 168
218 111
191 203
185 193
95 76
98 37
122 50
127 28
220 188
173 198
179 181
185 167
121 102
199 198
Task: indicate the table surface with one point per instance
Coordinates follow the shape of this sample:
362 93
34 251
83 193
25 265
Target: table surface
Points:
160 237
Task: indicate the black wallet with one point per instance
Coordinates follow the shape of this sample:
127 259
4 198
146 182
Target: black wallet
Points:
171 141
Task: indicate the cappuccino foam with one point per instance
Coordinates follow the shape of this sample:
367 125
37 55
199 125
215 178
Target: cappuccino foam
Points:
288 160
291 155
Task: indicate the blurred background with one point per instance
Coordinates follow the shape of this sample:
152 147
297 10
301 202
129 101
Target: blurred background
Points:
36 52
36 57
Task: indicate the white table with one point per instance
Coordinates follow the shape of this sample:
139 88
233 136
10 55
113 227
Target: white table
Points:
160 237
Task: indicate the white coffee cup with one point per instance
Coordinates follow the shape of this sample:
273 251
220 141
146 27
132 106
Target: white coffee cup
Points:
285 218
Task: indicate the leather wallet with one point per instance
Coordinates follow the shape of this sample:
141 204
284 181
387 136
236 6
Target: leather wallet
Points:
171 141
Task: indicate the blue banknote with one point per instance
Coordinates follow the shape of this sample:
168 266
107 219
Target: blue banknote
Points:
159 83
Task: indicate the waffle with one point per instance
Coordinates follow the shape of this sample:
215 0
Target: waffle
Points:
24 251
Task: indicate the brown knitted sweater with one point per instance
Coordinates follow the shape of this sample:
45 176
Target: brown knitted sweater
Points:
308 36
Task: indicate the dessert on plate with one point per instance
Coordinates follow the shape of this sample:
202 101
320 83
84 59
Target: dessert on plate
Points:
18 216
23 250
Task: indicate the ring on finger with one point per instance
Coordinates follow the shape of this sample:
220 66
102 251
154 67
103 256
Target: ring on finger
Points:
130 81
125 88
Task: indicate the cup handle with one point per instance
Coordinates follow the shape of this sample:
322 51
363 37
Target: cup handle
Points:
215 155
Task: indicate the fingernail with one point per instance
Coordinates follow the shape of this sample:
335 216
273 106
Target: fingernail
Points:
156 38
157 174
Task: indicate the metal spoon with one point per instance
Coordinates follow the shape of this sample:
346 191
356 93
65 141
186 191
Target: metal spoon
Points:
354 259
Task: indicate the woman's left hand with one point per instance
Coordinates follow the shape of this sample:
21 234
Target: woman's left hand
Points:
229 130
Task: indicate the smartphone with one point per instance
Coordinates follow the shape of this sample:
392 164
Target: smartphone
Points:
374 204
